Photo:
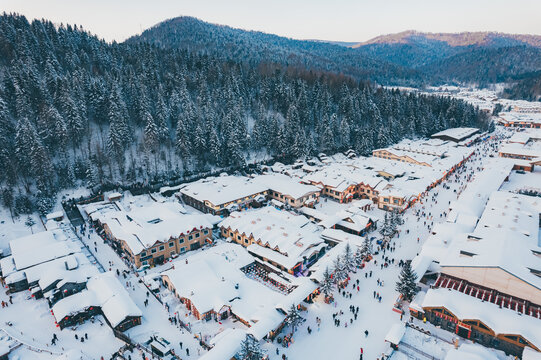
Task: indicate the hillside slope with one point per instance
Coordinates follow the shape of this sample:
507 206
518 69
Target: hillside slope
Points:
256 47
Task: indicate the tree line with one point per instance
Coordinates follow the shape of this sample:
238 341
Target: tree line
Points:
76 110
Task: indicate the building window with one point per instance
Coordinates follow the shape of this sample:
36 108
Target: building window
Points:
197 235
246 241
205 232
143 254
182 250
171 244
153 251
190 237
162 247
181 240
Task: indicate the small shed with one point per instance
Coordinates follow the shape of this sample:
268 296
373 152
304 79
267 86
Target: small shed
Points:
56 216
395 334
114 196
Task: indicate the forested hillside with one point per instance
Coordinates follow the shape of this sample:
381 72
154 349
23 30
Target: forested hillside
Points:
407 58
76 110
255 47
527 87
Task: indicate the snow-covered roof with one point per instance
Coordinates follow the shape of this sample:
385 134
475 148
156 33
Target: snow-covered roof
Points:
41 247
286 185
72 268
103 290
457 134
285 237
214 275
339 236
223 189
272 319
500 320
506 236
471 352
141 225
55 215
226 346
396 333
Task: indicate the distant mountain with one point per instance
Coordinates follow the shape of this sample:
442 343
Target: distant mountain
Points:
256 47
480 57
489 39
408 58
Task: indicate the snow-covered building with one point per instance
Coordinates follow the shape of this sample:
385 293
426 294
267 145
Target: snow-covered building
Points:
520 119
524 148
344 182
500 261
104 295
223 194
481 321
283 239
289 190
34 254
226 281
150 233
455 134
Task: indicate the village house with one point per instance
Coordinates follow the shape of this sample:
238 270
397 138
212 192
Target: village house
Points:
344 183
223 194
480 321
520 120
488 286
456 135
35 255
289 191
226 281
524 148
285 240
104 295
151 233
501 257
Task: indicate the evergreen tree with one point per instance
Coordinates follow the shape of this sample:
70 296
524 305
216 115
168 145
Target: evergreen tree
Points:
327 285
250 349
406 284
294 318
339 272
388 228
348 259
366 249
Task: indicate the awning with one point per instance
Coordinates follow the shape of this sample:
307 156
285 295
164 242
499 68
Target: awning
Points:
395 335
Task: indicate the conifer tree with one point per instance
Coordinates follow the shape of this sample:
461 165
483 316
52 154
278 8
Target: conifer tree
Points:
294 318
348 259
406 284
366 249
339 272
250 349
327 283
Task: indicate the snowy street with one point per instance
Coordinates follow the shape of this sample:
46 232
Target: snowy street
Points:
375 317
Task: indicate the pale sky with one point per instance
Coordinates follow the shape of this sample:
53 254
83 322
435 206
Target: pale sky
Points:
344 20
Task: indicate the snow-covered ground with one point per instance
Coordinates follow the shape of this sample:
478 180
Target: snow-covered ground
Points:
332 342
326 341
